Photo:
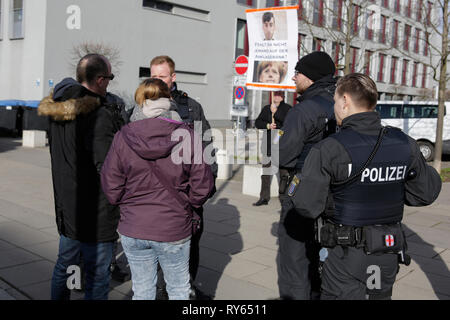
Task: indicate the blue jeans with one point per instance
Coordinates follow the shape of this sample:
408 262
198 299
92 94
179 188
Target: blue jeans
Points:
97 257
143 257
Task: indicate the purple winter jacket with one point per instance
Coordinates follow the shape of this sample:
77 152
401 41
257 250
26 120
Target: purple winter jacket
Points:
147 210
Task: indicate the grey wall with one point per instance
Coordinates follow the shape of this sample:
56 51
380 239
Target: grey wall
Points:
140 34
22 60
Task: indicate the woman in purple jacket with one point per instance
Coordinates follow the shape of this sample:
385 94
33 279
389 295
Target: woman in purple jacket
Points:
156 192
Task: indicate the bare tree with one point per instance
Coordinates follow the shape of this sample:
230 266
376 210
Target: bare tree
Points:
111 53
433 20
349 24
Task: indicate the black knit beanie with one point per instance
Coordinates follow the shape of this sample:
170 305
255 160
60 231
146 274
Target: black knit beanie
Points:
316 65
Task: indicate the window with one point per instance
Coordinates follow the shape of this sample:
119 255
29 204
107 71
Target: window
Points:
300 10
160 5
318 44
382 58
369 25
241 38
408 8
419 10
406 37
414 77
405 72
300 44
430 5
368 56
389 111
382 38
424 76
420 111
335 52
425 45
395 33
318 13
337 15
249 3
273 3
397 6
393 69
180 10
16 19
416 41
353 55
355 15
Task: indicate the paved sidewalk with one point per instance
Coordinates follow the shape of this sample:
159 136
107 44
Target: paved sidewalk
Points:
238 248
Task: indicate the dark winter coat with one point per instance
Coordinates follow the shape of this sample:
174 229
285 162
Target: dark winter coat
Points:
191 111
148 209
82 127
265 118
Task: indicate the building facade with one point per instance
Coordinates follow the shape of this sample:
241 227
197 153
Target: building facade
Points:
39 40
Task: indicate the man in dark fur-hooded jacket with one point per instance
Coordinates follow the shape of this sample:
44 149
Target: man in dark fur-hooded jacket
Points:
83 120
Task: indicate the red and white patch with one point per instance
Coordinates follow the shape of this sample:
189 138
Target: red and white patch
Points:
389 240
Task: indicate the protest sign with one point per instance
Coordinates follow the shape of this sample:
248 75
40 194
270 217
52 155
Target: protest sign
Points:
273 37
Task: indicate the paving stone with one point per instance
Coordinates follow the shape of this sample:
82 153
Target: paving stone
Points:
419 220
21 235
125 288
220 228
220 262
6 245
47 250
423 250
443 226
224 287
38 291
223 244
116 295
28 274
259 255
26 216
438 284
5 295
430 236
4 219
15 257
406 292
267 278
444 255
432 266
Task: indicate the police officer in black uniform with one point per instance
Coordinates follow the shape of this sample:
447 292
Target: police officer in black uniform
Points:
372 172
309 121
191 112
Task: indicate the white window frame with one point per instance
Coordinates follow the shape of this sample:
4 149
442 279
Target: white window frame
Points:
12 36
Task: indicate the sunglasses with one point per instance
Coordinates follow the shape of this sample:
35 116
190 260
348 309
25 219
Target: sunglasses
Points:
111 77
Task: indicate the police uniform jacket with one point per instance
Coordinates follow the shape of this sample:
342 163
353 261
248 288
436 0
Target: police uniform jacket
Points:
328 161
306 123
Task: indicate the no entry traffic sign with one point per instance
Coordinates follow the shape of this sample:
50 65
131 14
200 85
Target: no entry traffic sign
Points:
239 93
241 65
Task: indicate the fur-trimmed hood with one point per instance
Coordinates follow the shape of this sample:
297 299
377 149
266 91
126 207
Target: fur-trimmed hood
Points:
66 110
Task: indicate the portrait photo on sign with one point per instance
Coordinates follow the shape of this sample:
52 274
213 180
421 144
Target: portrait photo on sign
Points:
270 71
273 25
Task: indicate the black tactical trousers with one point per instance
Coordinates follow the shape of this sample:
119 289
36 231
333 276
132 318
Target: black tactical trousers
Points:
350 274
298 255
